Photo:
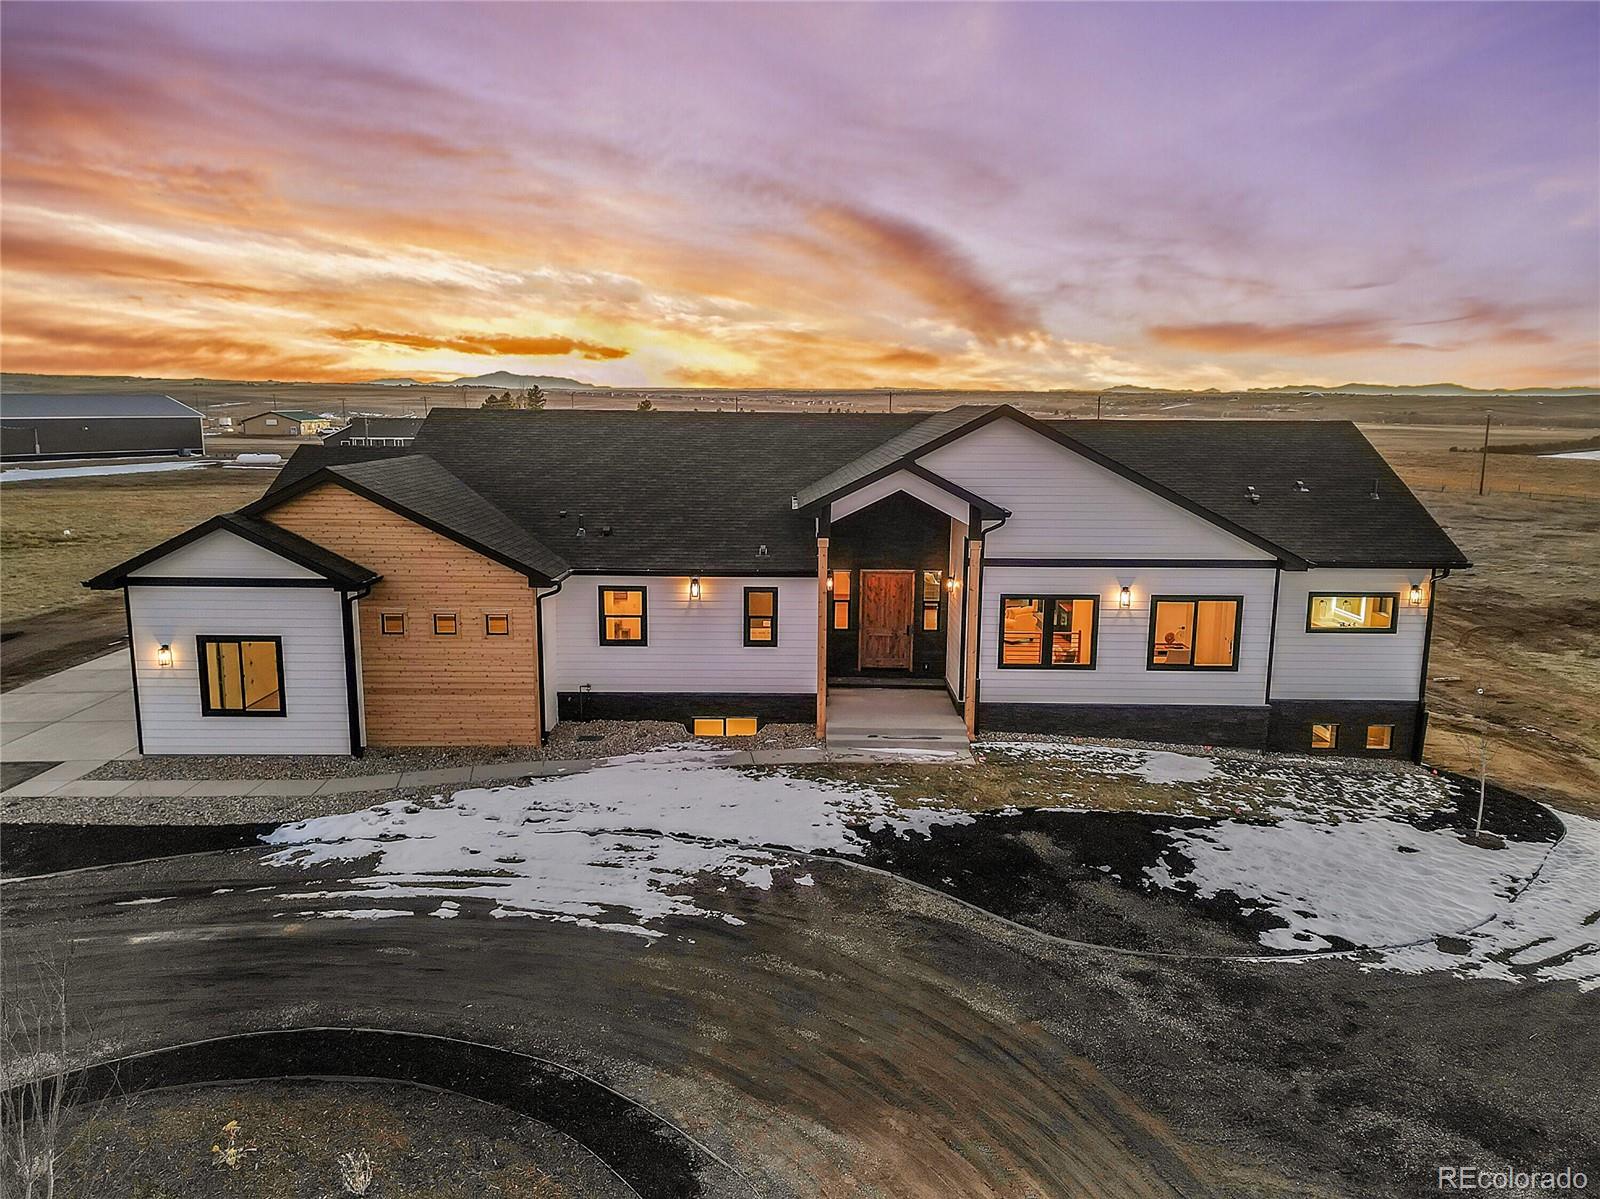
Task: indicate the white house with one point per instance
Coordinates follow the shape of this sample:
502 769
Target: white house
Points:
1253 583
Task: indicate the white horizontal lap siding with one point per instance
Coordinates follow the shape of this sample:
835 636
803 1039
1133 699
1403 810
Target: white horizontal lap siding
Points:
1122 650
1065 506
222 555
308 621
1348 665
915 486
693 645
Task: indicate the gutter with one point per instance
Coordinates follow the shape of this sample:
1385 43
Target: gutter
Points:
352 685
1420 729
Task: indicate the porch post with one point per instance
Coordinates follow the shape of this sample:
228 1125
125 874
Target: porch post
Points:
822 637
974 604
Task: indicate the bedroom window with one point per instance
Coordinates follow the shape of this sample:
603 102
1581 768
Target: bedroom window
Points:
497 624
761 616
1048 631
1380 736
241 676
1324 736
392 624
932 599
622 616
1195 632
445 624
841 599
1351 613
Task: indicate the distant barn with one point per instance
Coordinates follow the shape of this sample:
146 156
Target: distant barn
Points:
285 422
96 425
385 431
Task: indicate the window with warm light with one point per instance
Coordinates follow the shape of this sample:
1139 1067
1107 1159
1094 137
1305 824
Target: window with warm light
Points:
241 676
724 726
761 616
445 624
932 599
622 616
497 624
1380 736
1351 613
841 599
1195 632
1324 736
1048 631
392 624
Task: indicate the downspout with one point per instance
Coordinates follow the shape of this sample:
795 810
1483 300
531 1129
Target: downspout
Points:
352 686
133 662
1419 731
538 648
1272 647
977 625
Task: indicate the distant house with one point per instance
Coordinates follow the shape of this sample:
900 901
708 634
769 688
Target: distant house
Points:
384 431
94 425
1265 584
286 422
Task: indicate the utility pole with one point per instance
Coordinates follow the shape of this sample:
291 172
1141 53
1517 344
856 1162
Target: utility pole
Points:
1098 400
1483 464
891 401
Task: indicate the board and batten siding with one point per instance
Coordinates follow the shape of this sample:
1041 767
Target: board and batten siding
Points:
420 688
693 645
1349 665
1065 506
1120 675
316 719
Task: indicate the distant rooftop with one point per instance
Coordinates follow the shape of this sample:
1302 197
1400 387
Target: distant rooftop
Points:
88 405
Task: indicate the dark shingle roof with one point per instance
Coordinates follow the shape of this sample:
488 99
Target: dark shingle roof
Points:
290 546
918 437
90 405
375 426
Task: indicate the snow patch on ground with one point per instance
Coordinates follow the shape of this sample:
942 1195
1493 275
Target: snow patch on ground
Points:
614 848
31 475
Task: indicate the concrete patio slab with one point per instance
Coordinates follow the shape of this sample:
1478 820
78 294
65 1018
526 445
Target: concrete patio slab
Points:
74 740
15 730
47 705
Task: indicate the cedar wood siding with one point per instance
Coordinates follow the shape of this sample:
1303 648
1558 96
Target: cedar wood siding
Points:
422 689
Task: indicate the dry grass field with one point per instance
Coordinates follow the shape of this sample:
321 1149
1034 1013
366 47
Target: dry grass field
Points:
1523 624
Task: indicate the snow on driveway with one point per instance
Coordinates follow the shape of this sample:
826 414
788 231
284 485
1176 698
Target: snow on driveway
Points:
611 848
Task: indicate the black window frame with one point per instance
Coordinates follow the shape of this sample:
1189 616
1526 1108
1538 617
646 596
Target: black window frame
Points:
1238 631
488 616
202 640
1394 617
383 616
925 605
1048 600
644 616
1379 749
455 616
773 643
835 600
1333 740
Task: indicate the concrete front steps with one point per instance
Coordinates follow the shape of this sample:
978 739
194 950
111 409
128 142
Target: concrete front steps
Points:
895 720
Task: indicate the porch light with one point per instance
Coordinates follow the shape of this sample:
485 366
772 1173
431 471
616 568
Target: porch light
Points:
1416 595
164 656
830 580
952 583
694 587
1124 599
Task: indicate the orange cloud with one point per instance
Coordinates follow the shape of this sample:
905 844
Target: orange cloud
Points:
487 344
1334 335
39 346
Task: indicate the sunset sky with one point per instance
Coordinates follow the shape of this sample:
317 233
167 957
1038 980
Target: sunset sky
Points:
827 195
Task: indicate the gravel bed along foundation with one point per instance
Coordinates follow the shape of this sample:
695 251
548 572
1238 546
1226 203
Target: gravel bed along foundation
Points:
204 809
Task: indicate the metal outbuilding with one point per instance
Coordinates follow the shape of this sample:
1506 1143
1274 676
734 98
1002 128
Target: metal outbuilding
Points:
96 425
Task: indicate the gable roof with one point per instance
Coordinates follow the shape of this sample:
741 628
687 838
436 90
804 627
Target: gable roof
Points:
420 489
375 426
290 413
91 406
292 547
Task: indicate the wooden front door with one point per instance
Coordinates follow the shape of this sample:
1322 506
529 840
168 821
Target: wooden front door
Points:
888 611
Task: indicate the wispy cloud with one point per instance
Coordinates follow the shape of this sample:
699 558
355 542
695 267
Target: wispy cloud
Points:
493 344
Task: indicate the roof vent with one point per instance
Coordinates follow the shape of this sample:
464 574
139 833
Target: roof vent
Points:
794 503
761 551
582 532
562 514
1300 485
1375 494
605 530
1252 494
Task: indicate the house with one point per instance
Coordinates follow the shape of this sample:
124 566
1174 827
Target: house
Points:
285 422
387 431
1268 584
97 425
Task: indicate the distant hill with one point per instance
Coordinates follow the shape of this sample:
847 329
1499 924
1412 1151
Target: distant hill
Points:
1427 389
394 382
507 379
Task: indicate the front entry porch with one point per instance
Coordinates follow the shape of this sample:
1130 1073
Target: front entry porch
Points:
895 718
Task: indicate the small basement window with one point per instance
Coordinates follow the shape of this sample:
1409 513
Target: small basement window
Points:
932 599
622 616
241 676
392 624
724 726
761 616
445 624
841 599
1380 736
497 624
1351 613
1324 736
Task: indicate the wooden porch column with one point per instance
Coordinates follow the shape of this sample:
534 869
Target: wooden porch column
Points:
822 637
969 668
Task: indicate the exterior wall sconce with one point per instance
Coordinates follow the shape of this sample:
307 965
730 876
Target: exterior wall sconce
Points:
830 580
1416 595
694 587
952 583
164 656
1124 599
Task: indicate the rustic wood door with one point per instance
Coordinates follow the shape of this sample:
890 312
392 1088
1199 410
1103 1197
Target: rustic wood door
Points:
888 611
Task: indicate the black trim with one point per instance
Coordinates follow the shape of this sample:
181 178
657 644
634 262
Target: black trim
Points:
285 544
545 723
455 617
923 604
133 662
213 581
1333 738
206 707
488 616
985 509
1272 641
1238 630
790 707
644 616
907 463
773 642
1394 612
1420 734
352 687
383 616
1047 604
1125 563
754 572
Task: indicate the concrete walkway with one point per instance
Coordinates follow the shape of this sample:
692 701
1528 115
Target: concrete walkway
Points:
899 719
82 718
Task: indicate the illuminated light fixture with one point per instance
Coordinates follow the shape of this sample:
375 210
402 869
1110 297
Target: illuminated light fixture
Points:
830 580
952 582
1124 599
1416 595
694 587
164 656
